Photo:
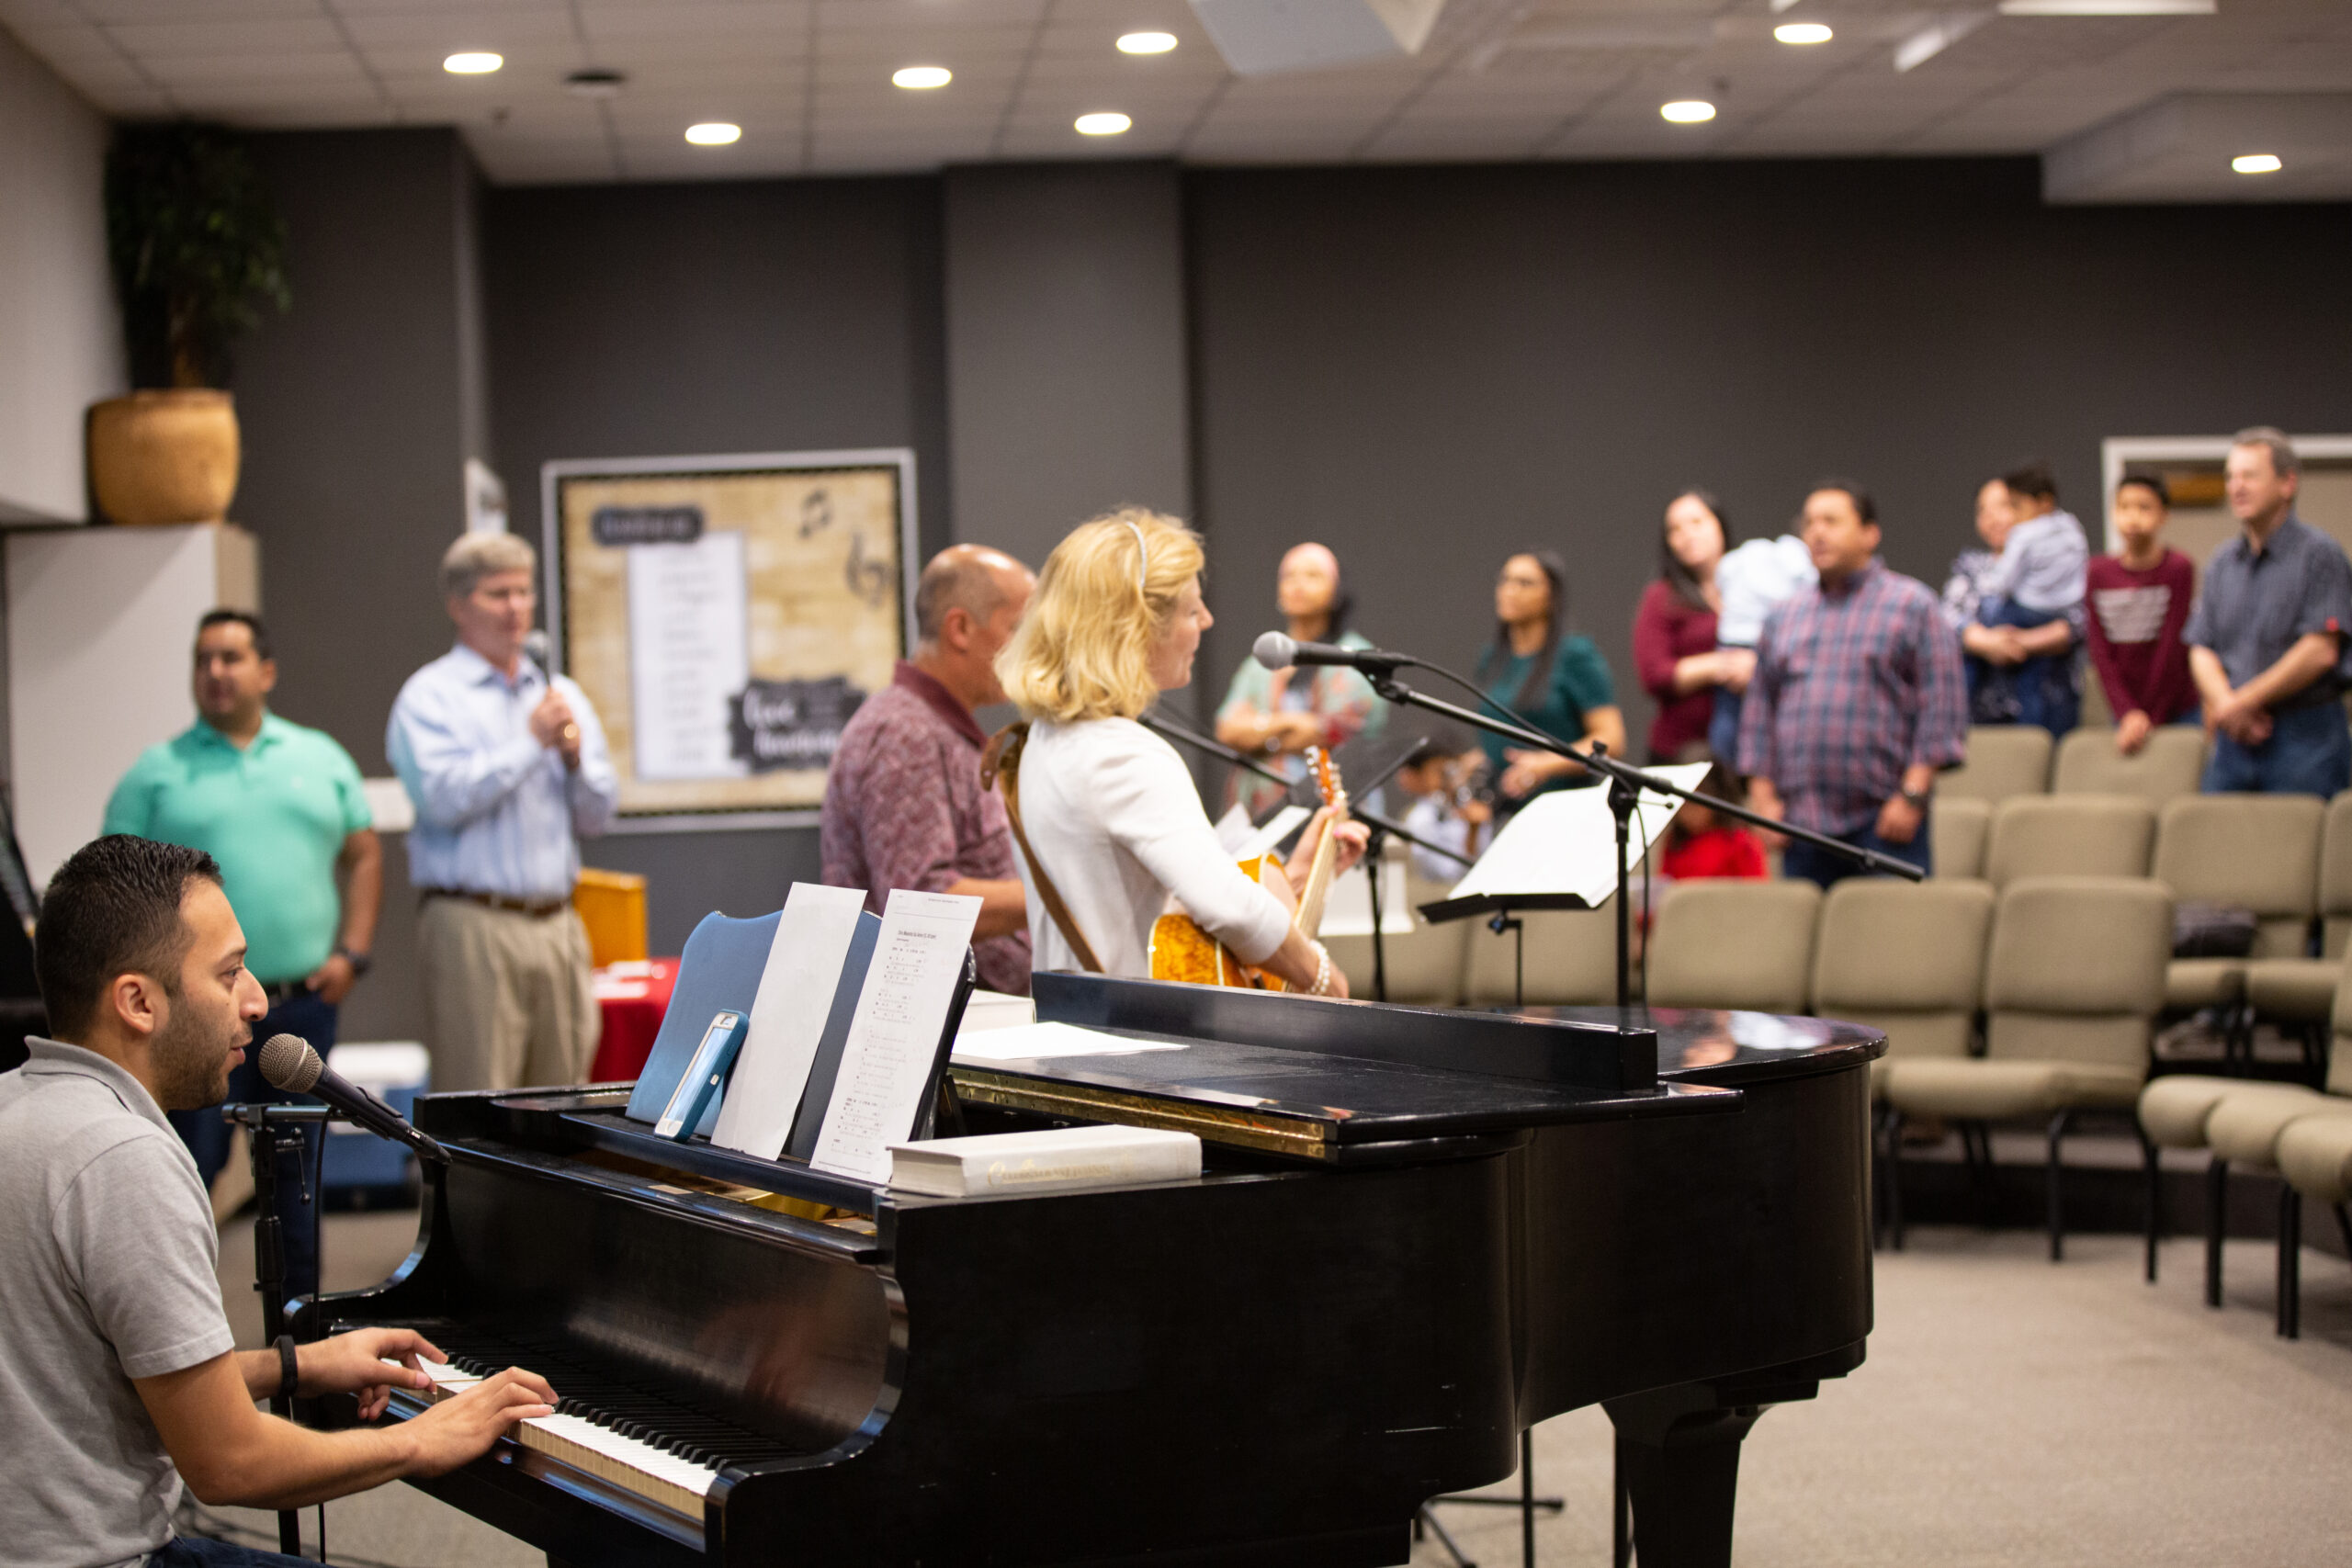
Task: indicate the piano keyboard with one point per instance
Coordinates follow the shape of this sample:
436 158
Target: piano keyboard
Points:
651 1472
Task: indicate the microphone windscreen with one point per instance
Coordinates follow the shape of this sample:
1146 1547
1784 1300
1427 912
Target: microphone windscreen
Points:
288 1063
536 645
1275 650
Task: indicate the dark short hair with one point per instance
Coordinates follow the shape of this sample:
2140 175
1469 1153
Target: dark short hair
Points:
1428 750
2154 483
2032 478
1853 490
113 908
251 621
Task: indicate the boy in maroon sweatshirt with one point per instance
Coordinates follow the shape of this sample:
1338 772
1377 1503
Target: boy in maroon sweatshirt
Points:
2140 599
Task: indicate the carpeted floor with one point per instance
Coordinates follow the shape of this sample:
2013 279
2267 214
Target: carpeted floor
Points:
2011 1412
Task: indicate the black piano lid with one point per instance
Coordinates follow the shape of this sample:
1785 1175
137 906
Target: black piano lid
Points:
1708 1045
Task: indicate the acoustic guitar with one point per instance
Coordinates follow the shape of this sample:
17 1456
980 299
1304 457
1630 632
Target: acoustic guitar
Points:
1181 951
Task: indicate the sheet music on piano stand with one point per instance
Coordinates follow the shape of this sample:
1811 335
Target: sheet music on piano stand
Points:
1560 852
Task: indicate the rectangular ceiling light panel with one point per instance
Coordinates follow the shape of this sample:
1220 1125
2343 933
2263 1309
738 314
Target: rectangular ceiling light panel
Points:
2110 8
1260 38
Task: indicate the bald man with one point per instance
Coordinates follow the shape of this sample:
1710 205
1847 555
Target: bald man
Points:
903 802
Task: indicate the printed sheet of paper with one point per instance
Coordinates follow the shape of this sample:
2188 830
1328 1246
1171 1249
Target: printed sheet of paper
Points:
1566 842
788 1015
894 1036
689 653
1233 829
1280 826
1041 1040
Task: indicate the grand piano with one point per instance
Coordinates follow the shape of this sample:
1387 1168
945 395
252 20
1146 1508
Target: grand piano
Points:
1417 1233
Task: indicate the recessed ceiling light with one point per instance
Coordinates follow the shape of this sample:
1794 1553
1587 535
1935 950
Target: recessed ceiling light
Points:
919 77
473 62
1688 111
1804 32
2108 7
1147 43
1102 124
713 133
2256 164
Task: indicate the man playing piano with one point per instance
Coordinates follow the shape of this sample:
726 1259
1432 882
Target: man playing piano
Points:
119 1379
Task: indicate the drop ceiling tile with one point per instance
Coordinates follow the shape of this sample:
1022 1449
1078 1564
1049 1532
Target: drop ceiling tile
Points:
258 36
111 11
444 32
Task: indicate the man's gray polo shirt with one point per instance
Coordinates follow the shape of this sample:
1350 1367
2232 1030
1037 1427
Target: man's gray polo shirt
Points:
2251 608
110 1276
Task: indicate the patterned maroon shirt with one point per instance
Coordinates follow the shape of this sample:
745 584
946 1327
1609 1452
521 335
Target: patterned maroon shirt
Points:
904 808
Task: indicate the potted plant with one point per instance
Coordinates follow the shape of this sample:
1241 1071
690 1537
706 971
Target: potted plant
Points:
197 246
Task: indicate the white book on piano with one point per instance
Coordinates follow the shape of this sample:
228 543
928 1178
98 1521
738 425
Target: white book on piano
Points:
1061 1159
796 993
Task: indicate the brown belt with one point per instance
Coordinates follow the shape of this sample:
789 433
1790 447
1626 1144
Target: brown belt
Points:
537 908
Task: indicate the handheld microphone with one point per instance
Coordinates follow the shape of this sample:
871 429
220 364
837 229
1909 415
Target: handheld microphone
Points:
536 645
288 1063
1279 651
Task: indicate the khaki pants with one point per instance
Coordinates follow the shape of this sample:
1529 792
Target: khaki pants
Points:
508 999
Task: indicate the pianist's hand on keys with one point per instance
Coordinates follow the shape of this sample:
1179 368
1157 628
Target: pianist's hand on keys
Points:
469 1414
675 1480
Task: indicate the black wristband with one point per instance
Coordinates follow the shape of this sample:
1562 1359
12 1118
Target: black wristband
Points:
289 1371
360 962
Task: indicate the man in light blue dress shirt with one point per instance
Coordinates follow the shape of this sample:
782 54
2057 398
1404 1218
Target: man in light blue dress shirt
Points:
508 769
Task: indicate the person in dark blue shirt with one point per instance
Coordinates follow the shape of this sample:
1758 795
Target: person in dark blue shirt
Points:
1556 679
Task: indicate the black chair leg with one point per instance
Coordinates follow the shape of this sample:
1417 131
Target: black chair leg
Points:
1894 1177
1977 1140
2217 1213
2291 1262
2151 1157
2343 1228
2058 1125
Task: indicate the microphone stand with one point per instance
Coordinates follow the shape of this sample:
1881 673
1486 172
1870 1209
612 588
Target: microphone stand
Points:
1380 826
270 1128
1625 782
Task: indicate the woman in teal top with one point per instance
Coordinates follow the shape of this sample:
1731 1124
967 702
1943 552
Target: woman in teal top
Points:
1558 683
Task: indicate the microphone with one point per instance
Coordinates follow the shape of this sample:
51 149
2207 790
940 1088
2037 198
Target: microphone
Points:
288 1063
536 645
1279 651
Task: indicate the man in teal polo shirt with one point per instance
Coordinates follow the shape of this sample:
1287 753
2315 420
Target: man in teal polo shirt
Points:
280 808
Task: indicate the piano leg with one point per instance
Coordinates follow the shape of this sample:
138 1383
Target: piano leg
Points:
1678 1455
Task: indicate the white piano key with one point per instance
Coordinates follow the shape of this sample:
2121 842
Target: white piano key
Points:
639 1467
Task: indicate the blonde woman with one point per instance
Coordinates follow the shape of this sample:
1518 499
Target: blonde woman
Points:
1108 808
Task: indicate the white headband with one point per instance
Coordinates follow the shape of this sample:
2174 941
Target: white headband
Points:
1143 558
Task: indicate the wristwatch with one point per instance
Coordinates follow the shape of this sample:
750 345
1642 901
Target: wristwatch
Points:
360 962
1918 799
289 1370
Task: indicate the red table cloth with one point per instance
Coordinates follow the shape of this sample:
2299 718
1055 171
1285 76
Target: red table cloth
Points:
633 996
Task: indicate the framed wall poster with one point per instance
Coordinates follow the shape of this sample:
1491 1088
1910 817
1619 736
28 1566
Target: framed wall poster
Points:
727 615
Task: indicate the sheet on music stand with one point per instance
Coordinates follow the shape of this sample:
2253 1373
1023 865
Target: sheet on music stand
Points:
1566 843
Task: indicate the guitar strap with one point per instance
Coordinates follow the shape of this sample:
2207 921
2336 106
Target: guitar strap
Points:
1001 768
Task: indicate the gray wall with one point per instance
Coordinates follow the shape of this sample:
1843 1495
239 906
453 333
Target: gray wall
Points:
1428 368
1066 348
758 317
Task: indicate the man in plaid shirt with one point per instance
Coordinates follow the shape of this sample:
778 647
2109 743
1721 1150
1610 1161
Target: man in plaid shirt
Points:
1857 698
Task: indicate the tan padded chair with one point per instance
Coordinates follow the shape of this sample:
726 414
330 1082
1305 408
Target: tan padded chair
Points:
2070 835
1906 959
1956 833
1741 945
1571 959
2169 765
2253 851
2072 987
2315 1159
2239 1120
2302 991
2003 760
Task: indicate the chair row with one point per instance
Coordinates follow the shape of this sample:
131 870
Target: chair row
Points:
2285 859
2302 1135
2005 760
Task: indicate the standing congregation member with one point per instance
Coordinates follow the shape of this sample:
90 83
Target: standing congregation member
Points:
2139 600
2265 641
2029 617
1555 680
1281 713
904 807
279 807
1674 627
1858 700
1750 580
1108 822
507 768
120 1385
